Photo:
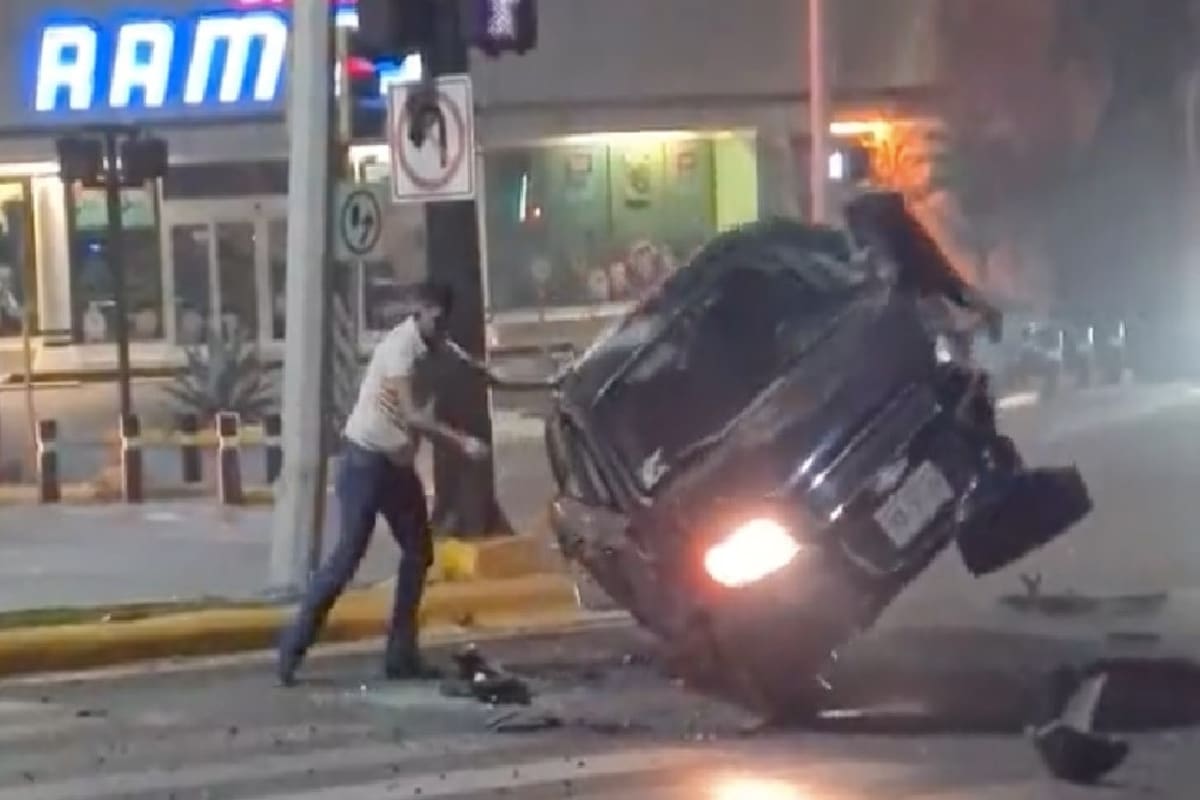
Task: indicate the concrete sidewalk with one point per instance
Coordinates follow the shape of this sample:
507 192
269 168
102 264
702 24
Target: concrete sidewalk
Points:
66 555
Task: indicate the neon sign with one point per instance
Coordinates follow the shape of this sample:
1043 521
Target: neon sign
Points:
232 60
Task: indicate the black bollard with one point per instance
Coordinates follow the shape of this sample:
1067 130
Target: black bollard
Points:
49 487
229 467
273 439
189 448
132 472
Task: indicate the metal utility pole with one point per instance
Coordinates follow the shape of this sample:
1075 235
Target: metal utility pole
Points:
466 490
111 157
818 107
116 263
300 501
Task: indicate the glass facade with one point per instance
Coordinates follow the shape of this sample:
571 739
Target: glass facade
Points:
18 276
93 303
601 219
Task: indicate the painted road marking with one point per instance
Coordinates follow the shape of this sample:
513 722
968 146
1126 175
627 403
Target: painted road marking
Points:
158 780
1019 400
514 776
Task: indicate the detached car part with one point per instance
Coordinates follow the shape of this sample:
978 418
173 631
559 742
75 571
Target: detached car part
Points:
764 452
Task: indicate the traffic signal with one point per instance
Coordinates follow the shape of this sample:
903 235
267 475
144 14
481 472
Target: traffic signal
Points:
395 27
143 159
499 26
80 159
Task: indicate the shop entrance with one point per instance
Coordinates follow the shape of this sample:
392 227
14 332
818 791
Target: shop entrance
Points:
226 266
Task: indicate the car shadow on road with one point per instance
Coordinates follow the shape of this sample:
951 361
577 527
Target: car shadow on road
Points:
1143 694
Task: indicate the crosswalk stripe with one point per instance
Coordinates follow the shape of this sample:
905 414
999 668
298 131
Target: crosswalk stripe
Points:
10 708
1017 400
22 720
511 776
1023 789
268 767
857 781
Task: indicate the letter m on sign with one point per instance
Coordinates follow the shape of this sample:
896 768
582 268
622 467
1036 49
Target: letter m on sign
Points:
238 38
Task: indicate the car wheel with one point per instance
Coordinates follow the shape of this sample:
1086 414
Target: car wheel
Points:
754 672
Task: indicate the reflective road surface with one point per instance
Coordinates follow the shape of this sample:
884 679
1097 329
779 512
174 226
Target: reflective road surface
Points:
223 730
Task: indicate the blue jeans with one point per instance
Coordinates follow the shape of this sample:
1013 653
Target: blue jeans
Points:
370 484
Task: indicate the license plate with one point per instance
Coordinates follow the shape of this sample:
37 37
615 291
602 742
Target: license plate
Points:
915 504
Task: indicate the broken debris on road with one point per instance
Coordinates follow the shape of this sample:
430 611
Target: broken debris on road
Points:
477 678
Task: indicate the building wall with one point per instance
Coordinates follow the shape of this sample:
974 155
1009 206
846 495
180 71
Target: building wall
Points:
638 53
601 66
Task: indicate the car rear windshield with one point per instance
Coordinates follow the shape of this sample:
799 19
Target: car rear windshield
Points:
714 359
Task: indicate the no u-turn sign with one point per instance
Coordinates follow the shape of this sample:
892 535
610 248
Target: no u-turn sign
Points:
440 164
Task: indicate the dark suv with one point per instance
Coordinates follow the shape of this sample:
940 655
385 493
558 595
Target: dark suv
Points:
764 452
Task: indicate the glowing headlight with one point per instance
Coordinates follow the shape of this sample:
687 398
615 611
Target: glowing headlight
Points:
752 552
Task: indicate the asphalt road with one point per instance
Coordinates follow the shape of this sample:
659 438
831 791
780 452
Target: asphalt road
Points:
625 730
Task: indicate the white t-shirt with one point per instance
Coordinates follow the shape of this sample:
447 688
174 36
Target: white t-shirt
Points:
402 354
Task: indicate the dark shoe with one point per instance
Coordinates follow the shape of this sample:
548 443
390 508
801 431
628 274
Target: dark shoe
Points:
291 654
287 665
502 690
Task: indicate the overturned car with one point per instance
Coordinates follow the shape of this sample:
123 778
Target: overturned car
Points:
764 452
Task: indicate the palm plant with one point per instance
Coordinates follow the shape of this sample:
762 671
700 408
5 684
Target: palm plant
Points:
225 375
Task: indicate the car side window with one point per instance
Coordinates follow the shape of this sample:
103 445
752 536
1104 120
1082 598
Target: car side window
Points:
556 449
574 465
592 479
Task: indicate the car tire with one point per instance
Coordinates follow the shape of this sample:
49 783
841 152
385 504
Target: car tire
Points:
753 672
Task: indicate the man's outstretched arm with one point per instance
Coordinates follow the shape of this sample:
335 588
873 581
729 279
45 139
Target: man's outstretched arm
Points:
396 401
498 381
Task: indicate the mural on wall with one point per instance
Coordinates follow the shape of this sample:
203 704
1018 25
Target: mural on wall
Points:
580 177
588 224
639 171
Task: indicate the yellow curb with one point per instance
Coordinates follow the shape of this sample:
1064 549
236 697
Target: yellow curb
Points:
72 493
248 436
98 493
359 615
499 558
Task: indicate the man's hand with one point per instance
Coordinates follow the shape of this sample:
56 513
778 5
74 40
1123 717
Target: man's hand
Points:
390 402
393 403
472 448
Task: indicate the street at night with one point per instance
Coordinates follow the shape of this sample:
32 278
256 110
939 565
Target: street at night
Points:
605 723
599 399
945 686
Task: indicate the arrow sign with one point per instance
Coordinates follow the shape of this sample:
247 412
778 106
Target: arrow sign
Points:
358 221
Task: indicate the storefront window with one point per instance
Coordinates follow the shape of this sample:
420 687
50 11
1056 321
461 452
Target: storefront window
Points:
18 284
236 278
604 219
344 280
93 300
386 297
193 288
277 269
